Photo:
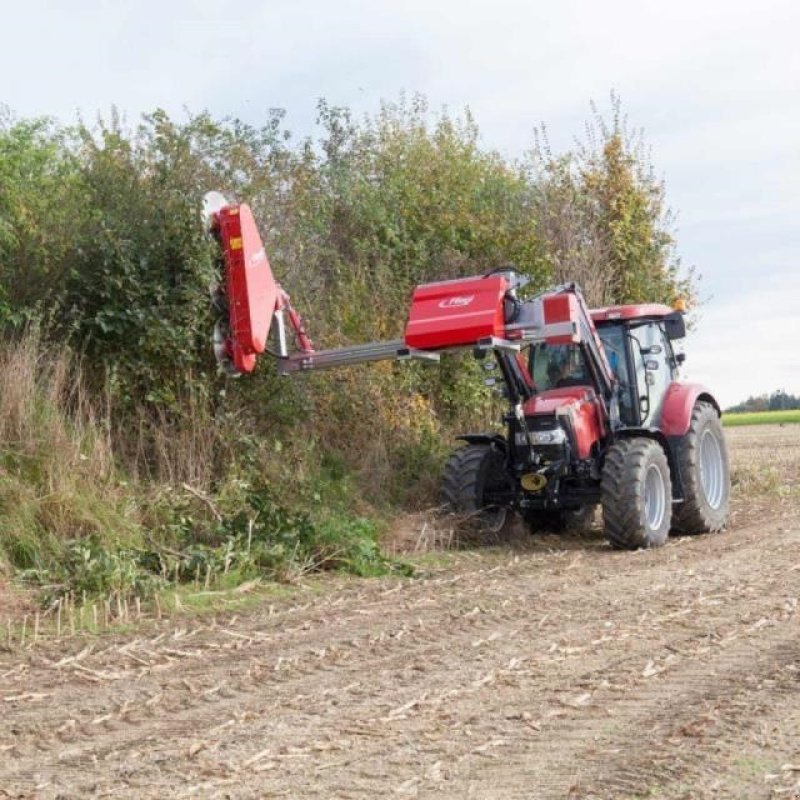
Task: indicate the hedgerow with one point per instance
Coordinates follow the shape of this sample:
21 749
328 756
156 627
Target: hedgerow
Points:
102 252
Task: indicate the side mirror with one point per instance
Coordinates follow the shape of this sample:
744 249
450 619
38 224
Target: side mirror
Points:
674 325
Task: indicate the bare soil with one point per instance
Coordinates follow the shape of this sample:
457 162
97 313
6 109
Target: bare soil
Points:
545 668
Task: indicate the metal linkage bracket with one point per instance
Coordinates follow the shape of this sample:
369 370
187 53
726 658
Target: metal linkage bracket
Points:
495 343
408 353
546 331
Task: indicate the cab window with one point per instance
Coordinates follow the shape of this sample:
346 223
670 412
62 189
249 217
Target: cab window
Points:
651 360
558 366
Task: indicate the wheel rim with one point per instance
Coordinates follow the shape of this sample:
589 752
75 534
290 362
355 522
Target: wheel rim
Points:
711 469
655 498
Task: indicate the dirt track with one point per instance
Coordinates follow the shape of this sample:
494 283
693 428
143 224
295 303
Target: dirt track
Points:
559 669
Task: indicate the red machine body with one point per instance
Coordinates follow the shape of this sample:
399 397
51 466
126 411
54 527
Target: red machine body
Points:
252 292
679 402
632 311
558 310
581 405
457 313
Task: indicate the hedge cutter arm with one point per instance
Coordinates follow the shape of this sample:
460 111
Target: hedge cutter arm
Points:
481 313
252 305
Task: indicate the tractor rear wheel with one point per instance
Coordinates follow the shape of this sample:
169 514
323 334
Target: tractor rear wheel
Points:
704 468
636 491
471 474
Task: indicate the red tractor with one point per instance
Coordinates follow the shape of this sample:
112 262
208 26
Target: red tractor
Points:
596 413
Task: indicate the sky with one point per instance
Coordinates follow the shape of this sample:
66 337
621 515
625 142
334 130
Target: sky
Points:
714 85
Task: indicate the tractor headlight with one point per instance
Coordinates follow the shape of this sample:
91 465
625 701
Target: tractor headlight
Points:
557 436
554 436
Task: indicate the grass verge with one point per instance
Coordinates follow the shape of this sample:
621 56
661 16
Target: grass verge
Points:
78 528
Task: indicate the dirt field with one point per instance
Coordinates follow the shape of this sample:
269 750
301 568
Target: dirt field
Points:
555 669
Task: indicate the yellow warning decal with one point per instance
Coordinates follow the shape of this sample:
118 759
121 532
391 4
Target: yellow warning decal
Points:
236 243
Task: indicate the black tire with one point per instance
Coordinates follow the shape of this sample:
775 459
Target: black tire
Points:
636 491
470 472
705 470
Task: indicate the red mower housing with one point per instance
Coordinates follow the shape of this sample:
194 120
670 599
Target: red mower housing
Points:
251 289
457 313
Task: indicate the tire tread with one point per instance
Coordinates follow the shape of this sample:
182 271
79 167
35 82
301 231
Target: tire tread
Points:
623 494
693 515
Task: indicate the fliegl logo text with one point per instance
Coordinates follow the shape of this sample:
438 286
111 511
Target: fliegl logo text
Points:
457 302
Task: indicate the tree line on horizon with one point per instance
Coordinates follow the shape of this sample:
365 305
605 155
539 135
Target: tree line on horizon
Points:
779 400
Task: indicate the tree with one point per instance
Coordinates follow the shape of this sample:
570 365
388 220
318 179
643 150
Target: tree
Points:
604 218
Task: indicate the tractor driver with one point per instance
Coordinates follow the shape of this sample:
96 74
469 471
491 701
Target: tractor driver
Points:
566 367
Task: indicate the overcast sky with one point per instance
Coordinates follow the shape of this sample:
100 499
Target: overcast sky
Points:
715 85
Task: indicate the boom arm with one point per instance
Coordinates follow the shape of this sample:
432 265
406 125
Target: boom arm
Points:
444 316
561 316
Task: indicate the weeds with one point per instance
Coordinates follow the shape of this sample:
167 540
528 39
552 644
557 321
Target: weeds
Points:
753 479
263 539
74 524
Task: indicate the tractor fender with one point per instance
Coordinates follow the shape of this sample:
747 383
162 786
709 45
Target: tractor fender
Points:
485 438
679 402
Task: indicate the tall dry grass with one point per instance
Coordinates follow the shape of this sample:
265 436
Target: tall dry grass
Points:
183 445
58 478
46 414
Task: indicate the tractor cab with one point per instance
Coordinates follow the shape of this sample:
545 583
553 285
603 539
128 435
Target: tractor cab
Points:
558 366
637 340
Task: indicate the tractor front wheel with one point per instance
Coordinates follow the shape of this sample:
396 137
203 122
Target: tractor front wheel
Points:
471 475
703 459
636 491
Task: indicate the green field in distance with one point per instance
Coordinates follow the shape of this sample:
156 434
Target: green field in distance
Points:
761 418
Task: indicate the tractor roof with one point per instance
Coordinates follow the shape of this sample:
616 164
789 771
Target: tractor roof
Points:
631 312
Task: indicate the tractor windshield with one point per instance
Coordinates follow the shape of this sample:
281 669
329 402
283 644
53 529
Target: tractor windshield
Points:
557 366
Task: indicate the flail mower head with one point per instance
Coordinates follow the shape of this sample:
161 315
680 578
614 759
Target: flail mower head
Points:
446 315
248 296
